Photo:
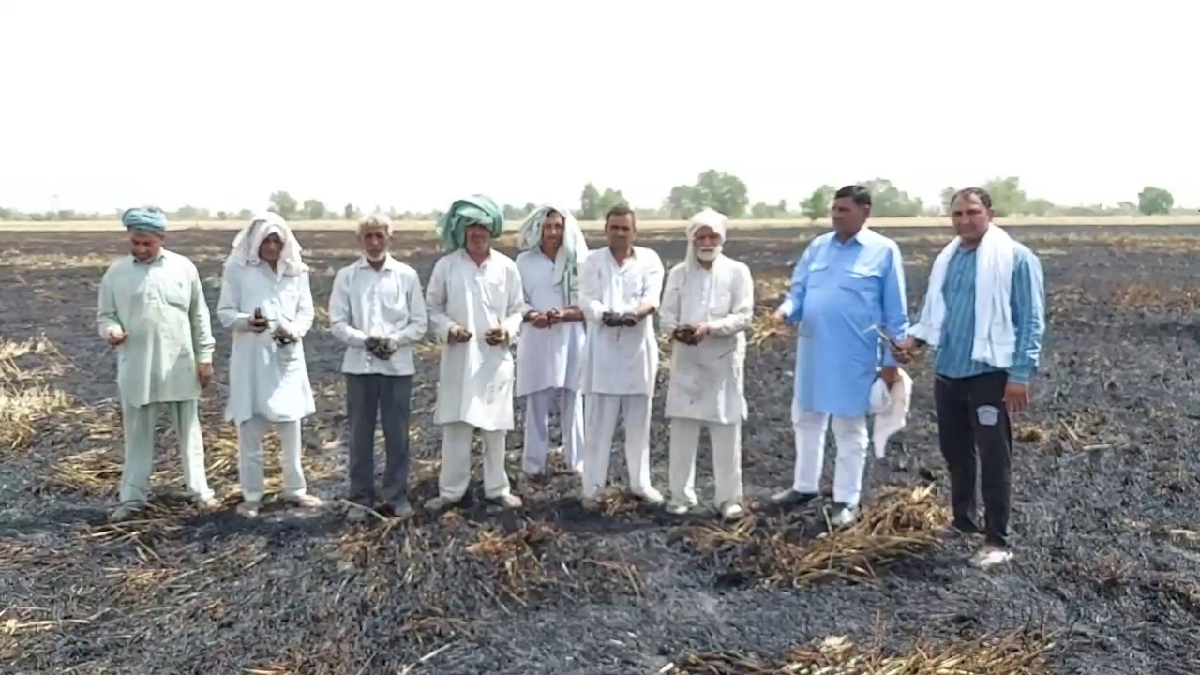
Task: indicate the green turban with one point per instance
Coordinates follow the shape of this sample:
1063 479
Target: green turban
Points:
473 210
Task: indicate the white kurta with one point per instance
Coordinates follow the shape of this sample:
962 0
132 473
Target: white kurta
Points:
547 358
266 379
476 380
707 380
620 361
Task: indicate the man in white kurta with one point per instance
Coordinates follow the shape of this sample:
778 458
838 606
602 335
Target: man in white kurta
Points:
377 310
707 309
151 309
266 300
620 288
475 310
552 339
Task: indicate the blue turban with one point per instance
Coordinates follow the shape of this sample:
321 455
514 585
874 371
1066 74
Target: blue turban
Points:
473 210
149 220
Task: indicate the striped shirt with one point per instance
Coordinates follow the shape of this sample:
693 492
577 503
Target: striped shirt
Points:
953 358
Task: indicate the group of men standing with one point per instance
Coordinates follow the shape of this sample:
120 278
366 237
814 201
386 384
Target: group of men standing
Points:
587 347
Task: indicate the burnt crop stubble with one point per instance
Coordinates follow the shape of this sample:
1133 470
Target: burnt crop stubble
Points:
1106 506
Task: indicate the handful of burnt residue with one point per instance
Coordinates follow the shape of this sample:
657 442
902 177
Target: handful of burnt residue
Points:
686 334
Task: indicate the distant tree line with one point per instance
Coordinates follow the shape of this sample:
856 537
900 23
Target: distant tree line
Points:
722 191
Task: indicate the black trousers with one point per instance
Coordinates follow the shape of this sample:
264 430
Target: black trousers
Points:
390 398
975 437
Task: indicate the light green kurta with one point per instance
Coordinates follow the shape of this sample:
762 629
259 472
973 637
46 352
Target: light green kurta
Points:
160 306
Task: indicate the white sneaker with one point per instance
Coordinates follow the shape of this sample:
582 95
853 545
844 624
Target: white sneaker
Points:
844 517
305 501
990 556
249 509
650 496
732 510
677 509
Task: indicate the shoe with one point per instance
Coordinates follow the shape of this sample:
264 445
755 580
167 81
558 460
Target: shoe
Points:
125 512
965 527
358 513
402 510
506 501
990 556
676 509
304 501
732 510
843 515
249 509
590 503
208 503
649 495
790 497
440 504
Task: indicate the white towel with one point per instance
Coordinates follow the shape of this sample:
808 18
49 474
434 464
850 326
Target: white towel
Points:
995 340
890 408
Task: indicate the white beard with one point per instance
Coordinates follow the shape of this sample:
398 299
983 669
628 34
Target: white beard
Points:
708 255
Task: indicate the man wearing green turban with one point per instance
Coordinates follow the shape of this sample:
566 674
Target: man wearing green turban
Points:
151 309
476 306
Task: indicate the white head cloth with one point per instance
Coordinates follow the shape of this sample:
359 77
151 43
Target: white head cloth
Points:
247 243
706 218
572 254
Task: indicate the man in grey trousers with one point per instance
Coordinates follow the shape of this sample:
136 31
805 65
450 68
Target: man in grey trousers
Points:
377 309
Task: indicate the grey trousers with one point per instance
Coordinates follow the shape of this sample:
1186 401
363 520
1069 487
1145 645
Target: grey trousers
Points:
391 397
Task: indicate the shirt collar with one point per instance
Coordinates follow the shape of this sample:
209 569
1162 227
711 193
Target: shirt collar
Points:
389 263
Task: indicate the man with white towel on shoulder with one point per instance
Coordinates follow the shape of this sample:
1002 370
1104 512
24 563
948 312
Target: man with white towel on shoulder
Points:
620 288
552 340
707 309
984 313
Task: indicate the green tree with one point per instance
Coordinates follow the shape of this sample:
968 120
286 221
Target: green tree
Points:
888 201
314 209
723 192
818 203
589 201
283 204
1008 199
1155 200
188 212
349 212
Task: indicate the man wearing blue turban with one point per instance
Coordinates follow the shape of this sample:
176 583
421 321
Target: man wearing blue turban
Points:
151 310
475 308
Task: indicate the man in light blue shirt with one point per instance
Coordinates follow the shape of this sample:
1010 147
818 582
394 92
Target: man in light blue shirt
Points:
983 363
848 284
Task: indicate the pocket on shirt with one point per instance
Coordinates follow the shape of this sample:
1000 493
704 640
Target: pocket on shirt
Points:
860 280
177 294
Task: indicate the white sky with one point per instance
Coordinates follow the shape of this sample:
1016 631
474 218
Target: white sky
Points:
217 103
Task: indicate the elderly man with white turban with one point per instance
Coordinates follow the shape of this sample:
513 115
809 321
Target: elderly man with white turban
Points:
266 300
377 310
151 309
476 308
707 308
549 353
620 288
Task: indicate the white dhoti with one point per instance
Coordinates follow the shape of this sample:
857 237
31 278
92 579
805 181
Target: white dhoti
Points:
250 457
850 438
141 425
455 476
537 427
602 413
726 459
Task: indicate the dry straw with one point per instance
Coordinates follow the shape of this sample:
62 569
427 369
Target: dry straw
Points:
903 523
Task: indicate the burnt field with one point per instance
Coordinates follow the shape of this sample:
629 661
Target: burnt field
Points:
1107 505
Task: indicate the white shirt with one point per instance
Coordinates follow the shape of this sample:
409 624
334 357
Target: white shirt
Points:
620 360
707 380
385 304
547 358
475 384
266 379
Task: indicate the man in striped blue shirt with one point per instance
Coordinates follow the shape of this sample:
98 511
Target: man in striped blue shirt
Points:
983 363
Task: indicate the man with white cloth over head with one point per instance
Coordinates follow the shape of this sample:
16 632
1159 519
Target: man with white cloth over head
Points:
847 286
551 344
476 307
707 308
620 288
266 300
984 313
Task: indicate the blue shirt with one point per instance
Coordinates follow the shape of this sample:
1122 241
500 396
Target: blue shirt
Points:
840 292
958 328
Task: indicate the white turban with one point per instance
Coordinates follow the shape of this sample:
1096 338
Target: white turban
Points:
572 254
247 243
706 218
